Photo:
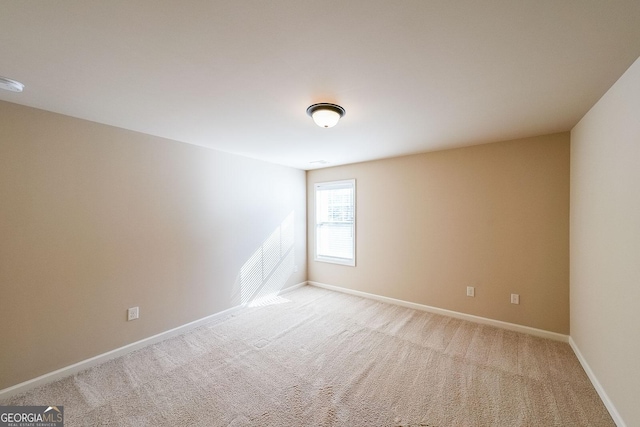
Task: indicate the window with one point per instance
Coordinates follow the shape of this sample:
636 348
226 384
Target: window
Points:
336 222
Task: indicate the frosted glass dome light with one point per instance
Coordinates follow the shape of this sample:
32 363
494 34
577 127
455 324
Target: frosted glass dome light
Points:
326 115
11 85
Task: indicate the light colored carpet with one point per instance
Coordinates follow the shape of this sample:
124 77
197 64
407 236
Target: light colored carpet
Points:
322 358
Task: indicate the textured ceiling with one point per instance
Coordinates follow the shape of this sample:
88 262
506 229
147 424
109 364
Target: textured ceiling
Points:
237 76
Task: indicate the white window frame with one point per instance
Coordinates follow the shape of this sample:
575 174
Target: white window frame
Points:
348 183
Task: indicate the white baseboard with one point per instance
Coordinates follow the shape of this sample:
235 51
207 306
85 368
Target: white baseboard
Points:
463 316
292 288
104 357
101 358
596 384
500 324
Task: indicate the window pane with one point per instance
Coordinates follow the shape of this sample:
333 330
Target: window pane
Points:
335 222
335 240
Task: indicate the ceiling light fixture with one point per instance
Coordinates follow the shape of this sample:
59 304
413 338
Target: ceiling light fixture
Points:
11 85
326 115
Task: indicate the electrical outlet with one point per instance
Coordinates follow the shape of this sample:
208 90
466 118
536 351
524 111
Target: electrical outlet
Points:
471 291
295 268
133 313
515 299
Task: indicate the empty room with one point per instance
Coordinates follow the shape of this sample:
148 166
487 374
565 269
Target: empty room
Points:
338 213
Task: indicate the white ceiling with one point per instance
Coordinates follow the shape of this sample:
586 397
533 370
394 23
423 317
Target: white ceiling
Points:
238 75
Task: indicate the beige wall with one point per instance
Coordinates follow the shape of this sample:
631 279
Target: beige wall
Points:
494 216
605 242
96 219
